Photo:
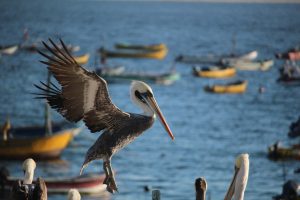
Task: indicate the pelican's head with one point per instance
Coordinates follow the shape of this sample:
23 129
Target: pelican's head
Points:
73 194
28 167
239 182
141 94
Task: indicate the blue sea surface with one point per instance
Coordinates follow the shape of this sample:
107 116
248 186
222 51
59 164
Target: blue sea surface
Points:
210 130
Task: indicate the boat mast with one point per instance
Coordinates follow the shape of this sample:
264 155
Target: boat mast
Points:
48 123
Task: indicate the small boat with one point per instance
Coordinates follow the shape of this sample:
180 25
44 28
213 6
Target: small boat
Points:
39 142
214 72
292 54
152 47
85 184
34 47
116 70
82 59
250 65
276 152
32 142
159 54
233 88
289 74
215 59
163 78
9 50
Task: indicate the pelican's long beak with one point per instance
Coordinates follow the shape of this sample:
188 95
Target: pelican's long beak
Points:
153 105
231 188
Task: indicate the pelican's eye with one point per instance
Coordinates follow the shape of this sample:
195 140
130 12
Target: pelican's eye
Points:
149 94
139 96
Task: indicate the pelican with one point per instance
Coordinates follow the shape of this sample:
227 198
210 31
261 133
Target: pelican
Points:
84 96
239 182
73 194
27 189
28 166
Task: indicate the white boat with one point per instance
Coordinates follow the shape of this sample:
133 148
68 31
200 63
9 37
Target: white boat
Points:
245 58
263 65
9 50
216 59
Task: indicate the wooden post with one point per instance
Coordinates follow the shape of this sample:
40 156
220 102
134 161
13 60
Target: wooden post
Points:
155 195
200 187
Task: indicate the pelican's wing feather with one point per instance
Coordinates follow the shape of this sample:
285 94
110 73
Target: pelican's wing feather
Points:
84 95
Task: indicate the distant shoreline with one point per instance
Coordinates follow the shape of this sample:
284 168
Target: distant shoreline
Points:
215 1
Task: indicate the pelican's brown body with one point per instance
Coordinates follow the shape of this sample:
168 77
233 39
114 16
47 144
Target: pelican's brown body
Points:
108 144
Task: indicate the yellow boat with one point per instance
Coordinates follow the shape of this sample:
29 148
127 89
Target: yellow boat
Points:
233 88
215 72
152 47
159 54
83 59
32 142
277 152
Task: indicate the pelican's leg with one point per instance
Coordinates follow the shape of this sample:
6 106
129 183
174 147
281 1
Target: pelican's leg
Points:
112 176
109 177
106 172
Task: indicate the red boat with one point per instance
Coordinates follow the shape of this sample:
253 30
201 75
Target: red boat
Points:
85 184
294 55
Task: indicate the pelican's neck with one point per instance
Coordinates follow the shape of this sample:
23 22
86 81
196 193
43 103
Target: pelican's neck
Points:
242 179
28 178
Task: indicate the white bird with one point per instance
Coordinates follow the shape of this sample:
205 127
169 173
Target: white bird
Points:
73 194
239 182
28 189
28 166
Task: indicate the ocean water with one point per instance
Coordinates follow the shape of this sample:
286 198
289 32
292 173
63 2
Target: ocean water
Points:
210 130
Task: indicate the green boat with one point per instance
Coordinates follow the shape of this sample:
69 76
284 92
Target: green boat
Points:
163 78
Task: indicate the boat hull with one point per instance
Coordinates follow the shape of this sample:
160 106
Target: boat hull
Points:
252 66
159 54
294 55
228 88
86 184
45 147
9 50
83 59
215 72
281 153
165 78
152 47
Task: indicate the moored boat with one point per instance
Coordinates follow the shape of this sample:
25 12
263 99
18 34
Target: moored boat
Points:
158 54
232 88
85 184
214 72
166 78
24 142
9 50
289 74
251 65
82 59
294 55
151 47
277 152
34 47
215 59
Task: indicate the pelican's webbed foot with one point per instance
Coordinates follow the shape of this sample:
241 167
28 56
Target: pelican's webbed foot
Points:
109 178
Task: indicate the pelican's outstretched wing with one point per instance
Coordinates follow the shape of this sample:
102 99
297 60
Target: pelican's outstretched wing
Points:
84 95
